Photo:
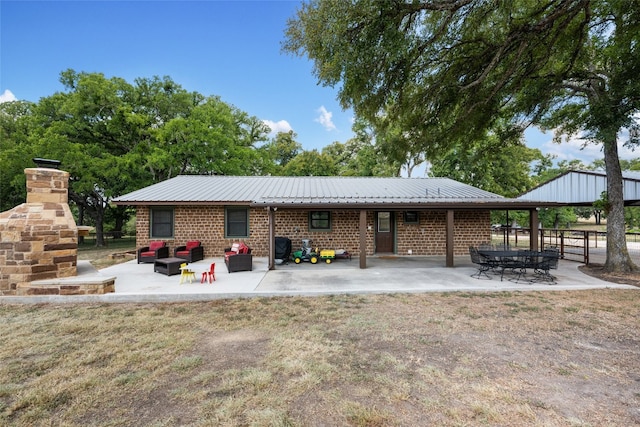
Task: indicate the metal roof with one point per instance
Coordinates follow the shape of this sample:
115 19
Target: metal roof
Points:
582 188
315 191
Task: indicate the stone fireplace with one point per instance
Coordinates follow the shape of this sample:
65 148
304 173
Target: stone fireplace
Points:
39 238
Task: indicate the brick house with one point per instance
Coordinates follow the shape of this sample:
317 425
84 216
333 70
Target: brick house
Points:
363 215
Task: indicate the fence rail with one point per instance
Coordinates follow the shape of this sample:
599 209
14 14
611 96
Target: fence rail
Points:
584 246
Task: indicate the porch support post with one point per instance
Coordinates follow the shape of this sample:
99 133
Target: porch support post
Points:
449 238
272 230
363 238
534 223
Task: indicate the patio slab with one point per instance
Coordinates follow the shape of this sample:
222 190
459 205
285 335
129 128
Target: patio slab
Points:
393 274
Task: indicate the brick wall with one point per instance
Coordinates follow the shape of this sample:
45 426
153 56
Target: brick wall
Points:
425 238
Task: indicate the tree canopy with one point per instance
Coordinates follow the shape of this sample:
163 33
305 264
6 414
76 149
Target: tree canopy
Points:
115 137
447 71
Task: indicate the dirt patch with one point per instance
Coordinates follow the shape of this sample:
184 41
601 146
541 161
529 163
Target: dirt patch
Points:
241 349
597 270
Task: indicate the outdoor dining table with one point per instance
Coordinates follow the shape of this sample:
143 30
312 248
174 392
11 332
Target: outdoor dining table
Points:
518 261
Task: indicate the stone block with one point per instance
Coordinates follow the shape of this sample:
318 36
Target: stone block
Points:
72 290
39 291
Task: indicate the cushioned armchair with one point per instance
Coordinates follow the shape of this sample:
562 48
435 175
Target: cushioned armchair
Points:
193 251
238 258
155 250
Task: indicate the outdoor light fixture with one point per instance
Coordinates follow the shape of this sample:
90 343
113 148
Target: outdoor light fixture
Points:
46 163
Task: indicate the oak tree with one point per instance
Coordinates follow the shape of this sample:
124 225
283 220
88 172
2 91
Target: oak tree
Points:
447 70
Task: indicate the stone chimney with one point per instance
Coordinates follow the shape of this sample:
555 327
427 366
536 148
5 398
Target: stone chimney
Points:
39 238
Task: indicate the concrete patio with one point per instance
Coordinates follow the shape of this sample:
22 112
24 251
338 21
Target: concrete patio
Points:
393 274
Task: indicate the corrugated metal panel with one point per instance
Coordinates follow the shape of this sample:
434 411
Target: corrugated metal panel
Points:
221 189
582 187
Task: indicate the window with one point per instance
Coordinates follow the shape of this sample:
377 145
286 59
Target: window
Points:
411 217
384 222
320 221
236 222
161 222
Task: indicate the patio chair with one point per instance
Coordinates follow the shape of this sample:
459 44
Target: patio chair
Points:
155 250
549 261
209 274
186 273
483 264
191 252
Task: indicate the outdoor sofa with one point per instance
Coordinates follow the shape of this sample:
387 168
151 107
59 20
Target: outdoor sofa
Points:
238 258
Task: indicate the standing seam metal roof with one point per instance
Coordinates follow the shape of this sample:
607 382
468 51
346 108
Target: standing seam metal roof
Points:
582 188
299 190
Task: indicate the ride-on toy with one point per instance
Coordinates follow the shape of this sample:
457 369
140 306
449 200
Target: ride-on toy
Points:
306 253
328 255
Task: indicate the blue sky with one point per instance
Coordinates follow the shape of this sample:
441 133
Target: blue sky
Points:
230 49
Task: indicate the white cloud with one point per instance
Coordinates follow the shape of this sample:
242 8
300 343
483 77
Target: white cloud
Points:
7 96
325 119
277 127
574 148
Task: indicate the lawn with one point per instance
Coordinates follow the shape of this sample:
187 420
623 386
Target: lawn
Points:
116 250
451 359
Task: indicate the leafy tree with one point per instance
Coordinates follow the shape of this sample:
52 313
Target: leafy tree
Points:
368 156
16 151
207 141
114 137
281 150
362 155
398 145
311 163
495 163
557 217
448 70
546 171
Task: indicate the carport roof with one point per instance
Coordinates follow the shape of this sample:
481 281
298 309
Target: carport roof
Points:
317 192
583 188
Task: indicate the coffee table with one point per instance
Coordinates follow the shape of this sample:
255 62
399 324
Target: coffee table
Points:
168 266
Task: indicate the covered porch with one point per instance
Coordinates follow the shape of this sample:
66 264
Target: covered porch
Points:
446 259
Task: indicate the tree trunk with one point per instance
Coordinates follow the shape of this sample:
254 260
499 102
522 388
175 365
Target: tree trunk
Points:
80 221
618 259
99 218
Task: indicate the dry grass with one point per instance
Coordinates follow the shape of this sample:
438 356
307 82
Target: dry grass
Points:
116 251
457 359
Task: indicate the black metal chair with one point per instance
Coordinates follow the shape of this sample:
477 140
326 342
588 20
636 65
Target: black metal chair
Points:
483 264
549 261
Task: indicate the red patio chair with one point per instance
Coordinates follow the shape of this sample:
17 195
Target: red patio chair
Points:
193 251
210 274
155 250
